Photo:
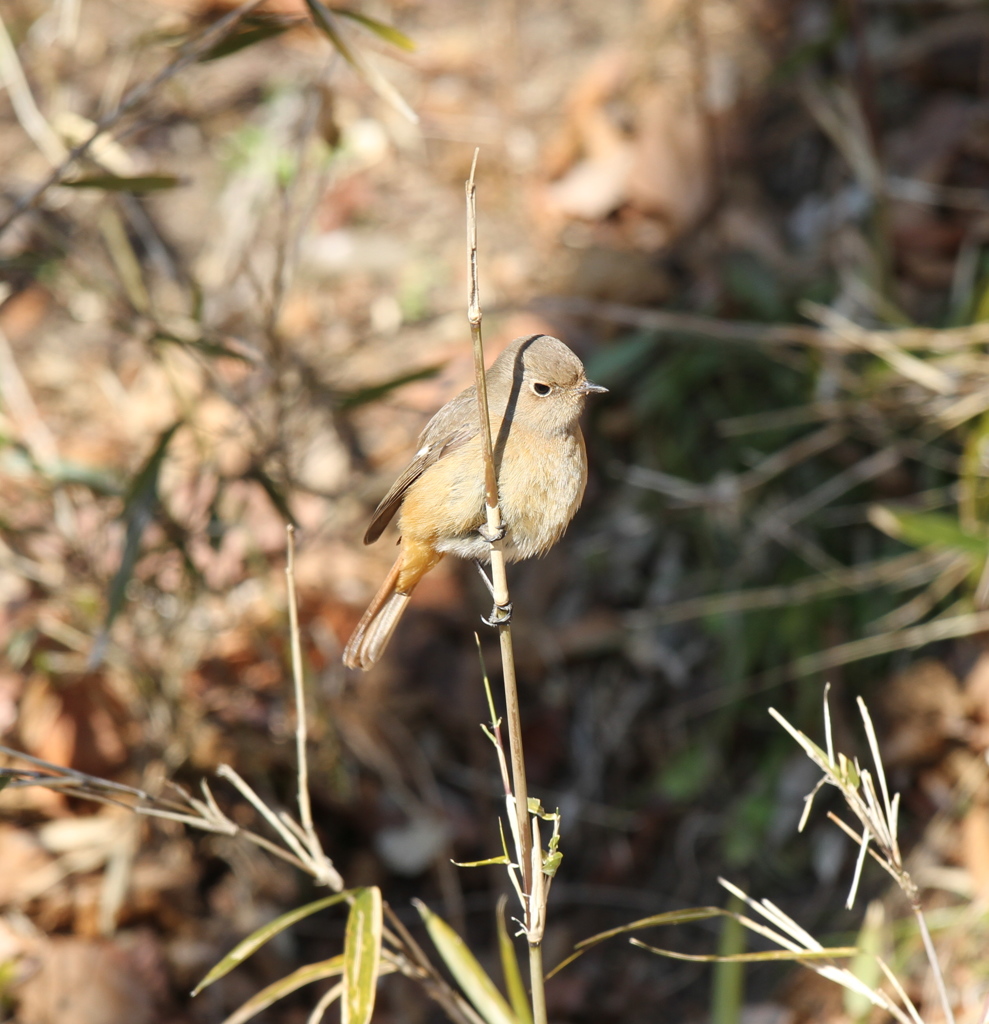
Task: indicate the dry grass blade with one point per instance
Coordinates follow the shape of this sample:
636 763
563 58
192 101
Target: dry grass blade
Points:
763 956
915 339
729 489
800 939
878 819
902 572
881 345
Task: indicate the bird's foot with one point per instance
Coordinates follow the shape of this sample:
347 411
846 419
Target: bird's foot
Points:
501 615
489 536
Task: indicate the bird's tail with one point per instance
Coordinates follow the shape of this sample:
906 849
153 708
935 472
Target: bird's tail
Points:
377 624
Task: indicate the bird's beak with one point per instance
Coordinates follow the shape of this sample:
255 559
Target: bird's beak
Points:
587 388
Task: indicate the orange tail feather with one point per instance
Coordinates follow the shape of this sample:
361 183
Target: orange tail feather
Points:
377 624
373 632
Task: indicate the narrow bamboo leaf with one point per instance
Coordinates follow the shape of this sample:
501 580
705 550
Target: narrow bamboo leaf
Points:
655 921
120 183
257 939
387 32
503 859
376 391
139 510
5 781
671 917
323 18
208 346
285 986
251 31
362 957
271 489
510 969
463 965
870 941
930 529
767 956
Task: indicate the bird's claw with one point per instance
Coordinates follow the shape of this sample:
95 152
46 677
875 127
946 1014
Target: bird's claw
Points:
489 536
501 615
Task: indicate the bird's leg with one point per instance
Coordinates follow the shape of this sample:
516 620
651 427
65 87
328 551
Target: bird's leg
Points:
499 615
484 576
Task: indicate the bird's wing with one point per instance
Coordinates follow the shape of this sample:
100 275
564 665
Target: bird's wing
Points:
453 426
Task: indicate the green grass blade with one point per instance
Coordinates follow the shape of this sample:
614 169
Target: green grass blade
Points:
119 183
324 20
728 983
250 31
139 510
362 957
389 33
670 917
655 921
257 939
510 969
285 986
929 530
463 965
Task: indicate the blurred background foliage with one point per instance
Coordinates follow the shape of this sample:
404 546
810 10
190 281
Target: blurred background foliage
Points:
764 227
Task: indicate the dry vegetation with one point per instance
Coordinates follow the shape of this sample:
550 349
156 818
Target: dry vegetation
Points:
762 224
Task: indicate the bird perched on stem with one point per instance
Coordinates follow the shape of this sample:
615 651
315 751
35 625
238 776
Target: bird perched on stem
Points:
536 392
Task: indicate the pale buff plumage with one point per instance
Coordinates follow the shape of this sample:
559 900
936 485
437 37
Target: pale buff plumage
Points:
536 392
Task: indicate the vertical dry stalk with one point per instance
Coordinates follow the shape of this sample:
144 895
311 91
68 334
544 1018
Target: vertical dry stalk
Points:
301 724
322 866
499 577
528 847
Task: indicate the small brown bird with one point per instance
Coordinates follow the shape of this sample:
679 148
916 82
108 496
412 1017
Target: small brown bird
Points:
536 392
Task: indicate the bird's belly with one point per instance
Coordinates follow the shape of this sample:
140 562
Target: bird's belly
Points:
540 494
540 486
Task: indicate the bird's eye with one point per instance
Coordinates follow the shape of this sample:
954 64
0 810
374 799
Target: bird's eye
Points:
541 389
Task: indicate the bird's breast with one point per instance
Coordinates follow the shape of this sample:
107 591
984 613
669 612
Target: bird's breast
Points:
541 483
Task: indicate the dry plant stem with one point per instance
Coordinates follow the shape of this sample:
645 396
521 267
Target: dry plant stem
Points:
187 55
935 964
538 991
418 966
498 575
301 725
25 109
527 852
